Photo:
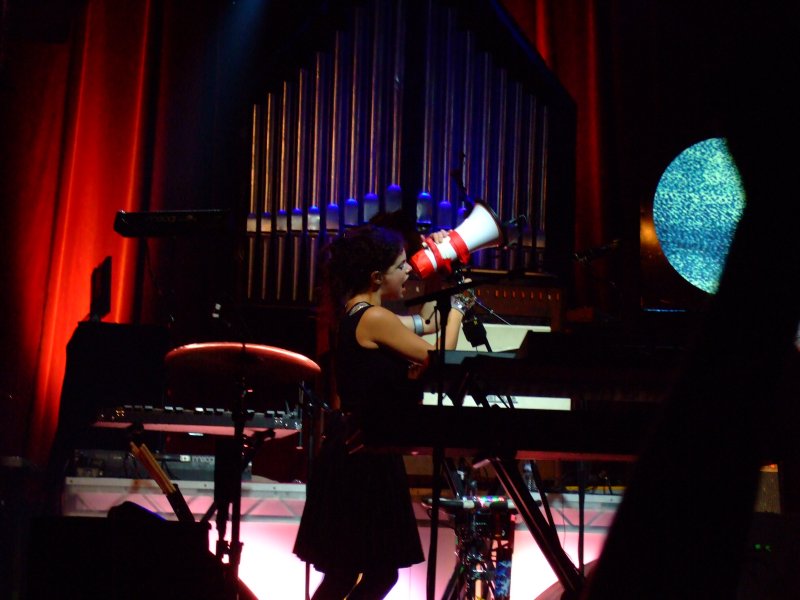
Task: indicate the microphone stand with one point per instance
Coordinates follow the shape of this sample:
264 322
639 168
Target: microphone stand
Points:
444 294
443 308
442 298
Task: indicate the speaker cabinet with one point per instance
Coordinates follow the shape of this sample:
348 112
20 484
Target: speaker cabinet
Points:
131 558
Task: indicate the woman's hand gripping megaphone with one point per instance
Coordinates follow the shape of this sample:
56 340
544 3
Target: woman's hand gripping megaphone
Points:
480 229
438 252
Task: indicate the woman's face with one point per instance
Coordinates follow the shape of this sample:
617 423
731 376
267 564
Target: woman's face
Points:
394 278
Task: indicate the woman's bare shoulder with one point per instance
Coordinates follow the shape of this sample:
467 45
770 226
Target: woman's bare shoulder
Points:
379 314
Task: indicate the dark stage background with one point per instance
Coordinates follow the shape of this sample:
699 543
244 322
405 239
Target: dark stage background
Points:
144 106
108 105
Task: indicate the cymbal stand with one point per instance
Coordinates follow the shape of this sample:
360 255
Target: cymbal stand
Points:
251 446
228 466
311 405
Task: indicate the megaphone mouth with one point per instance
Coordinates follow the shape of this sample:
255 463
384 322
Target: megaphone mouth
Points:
501 239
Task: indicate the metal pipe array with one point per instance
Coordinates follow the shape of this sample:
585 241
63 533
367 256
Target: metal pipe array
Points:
327 146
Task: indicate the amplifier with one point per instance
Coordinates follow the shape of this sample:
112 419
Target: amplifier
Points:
120 464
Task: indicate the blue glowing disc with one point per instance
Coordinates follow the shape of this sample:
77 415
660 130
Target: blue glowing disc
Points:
697 206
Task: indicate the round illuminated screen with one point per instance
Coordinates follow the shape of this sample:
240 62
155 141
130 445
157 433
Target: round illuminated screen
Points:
697 206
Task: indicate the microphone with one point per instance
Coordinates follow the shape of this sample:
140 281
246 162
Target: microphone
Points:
475 332
518 223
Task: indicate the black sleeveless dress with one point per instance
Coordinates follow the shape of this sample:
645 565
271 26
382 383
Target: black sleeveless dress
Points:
358 513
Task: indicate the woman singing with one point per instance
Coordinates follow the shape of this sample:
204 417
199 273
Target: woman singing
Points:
358 526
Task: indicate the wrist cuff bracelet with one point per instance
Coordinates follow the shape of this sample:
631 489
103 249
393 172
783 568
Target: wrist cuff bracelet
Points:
418 327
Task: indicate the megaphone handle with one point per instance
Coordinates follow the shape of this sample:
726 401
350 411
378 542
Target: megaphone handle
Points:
443 309
442 263
460 246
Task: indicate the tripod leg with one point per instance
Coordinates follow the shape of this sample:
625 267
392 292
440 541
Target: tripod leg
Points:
222 526
454 585
226 475
542 531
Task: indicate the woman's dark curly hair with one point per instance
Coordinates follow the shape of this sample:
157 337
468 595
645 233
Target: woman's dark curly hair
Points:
349 261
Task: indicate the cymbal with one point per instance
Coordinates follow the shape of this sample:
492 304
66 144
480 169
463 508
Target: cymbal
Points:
253 364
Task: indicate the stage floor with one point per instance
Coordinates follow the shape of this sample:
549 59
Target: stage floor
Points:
271 513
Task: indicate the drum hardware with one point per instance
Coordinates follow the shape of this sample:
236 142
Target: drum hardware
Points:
484 528
245 366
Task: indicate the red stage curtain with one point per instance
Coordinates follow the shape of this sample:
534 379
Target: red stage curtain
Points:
74 124
566 34
116 112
